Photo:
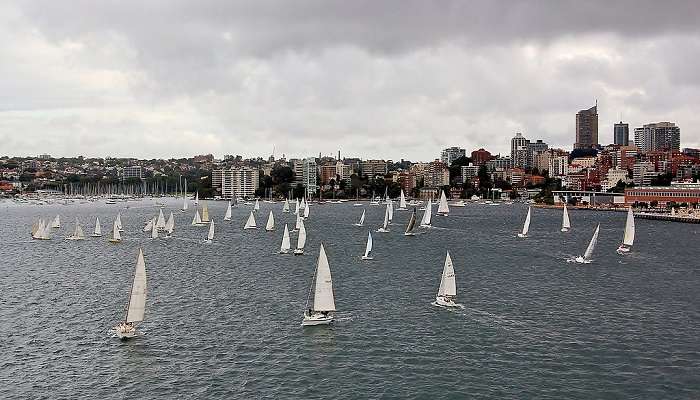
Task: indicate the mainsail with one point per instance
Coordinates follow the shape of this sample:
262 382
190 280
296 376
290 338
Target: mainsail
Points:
323 293
526 226
137 297
448 286
301 240
270 226
210 235
628 240
443 208
591 246
286 244
368 248
565 223
250 223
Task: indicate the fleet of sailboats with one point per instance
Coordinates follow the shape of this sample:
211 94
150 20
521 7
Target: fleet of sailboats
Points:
321 311
78 233
628 239
136 306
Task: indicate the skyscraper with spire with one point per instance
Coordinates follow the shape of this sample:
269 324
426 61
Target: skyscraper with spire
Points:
587 128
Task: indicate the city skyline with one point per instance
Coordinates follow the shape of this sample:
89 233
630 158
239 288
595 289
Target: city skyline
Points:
111 81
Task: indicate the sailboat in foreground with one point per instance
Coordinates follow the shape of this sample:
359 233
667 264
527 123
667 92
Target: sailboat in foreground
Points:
270 226
368 248
286 243
136 306
443 208
586 258
565 222
526 225
320 313
447 293
628 239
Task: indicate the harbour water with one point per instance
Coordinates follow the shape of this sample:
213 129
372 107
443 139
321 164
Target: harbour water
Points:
223 319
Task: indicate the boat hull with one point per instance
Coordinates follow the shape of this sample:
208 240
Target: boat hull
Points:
564 229
441 301
382 230
316 319
623 249
520 235
367 258
409 234
298 252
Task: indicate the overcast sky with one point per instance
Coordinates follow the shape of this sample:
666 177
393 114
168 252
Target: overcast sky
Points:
376 79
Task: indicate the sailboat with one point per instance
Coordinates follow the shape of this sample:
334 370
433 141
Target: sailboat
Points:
42 232
77 233
565 223
170 225
256 207
301 239
586 259
628 239
136 306
322 286
362 219
205 213
306 211
443 208
402 202
447 292
385 227
56 222
116 236
390 205
374 201
160 224
427 215
297 224
285 208
154 230
210 235
411 224
526 225
98 228
227 217
286 244
184 205
270 226
196 198
250 223
196 220
119 222
149 225
368 248
296 206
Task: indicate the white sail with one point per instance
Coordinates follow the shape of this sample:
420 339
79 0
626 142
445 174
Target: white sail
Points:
386 217
362 218
285 208
411 223
256 207
443 208
227 217
526 225
448 286
170 225
302 205
323 291
296 206
196 199
402 201
184 204
301 240
306 211
116 236
368 248
591 246
137 298
205 212
56 222
629 229
196 220
149 225
210 235
160 223
98 228
390 206
119 222
270 226
286 244
565 223
250 223
425 221
154 229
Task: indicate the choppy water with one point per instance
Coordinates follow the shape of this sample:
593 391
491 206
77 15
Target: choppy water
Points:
223 320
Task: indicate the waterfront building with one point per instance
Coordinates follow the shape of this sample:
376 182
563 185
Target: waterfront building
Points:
677 193
236 182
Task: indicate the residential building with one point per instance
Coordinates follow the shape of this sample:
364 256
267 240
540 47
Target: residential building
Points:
372 168
437 174
533 149
613 176
558 165
480 157
133 171
328 172
469 171
519 151
450 154
660 136
621 134
643 172
407 180
499 162
309 176
237 181
587 128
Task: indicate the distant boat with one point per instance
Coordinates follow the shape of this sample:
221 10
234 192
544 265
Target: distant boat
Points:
323 302
586 259
196 220
98 229
526 225
227 217
154 230
119 222
256 207
362 219
286 243
402 202
297 225
77 233
149 225
307 210
385 227
136 306
270 226
296 206
285 208
390 206
427 215
565 223
205 213
250 223
443 208
301 239
170 225
56 222
42 231
411 224
184 205
628 239
460 203
210 235
447 293
368 247
116 236
160 223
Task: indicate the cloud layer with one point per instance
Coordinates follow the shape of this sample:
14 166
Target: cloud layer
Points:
390 79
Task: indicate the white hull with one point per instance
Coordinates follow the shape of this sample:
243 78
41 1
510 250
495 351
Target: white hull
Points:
367 258
426 226
227 219
114 241
125 332
74 238
409 234
359 224
284 251
564 229
623 249
441 301
298 252
96 235
316 319
382 230
520 235
580 260
251 227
